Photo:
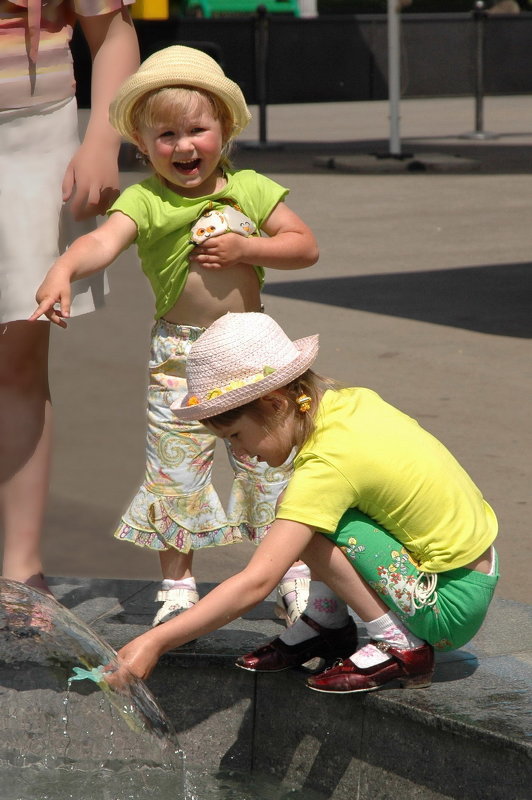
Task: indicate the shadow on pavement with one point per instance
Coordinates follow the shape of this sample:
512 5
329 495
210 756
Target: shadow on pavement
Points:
493 299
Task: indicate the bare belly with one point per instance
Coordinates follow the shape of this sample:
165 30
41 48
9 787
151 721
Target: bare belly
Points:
482 563
210 293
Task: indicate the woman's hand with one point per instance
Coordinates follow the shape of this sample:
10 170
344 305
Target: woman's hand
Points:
91 182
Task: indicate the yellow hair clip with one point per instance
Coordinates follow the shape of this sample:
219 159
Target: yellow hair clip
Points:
304 402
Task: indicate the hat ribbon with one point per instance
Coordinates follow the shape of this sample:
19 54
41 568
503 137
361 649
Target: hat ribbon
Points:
238 383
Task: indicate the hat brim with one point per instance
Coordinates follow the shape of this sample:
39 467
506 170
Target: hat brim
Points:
140 84
308 350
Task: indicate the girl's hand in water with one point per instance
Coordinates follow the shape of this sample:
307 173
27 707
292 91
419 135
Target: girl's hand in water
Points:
137 658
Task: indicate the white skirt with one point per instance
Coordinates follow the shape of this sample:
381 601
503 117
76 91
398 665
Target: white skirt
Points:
36 145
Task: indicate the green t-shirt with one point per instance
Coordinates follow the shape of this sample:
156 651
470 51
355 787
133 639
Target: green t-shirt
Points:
367 454
164 219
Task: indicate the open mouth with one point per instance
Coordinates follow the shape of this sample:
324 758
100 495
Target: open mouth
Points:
186 167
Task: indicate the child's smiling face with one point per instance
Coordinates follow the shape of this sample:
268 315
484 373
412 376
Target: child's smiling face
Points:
186 151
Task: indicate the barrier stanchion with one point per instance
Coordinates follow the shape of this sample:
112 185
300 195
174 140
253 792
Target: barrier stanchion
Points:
480 17
262 33
261 68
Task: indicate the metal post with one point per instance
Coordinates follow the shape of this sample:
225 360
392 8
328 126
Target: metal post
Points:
261 62
262 34
479 16
394 75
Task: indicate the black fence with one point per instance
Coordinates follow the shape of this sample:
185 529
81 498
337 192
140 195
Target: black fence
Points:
335 58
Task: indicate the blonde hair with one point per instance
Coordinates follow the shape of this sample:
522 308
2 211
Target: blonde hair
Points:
309 383
171 102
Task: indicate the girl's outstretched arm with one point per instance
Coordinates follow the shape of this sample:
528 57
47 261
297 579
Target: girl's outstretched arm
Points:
283 544
289 244
86 255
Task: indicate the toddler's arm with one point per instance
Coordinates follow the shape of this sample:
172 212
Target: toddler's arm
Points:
86 255
91 179
290 244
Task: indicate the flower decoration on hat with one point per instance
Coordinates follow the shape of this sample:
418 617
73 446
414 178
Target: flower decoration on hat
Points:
237 383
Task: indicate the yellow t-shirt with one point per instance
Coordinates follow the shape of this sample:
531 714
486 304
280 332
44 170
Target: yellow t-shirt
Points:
367 454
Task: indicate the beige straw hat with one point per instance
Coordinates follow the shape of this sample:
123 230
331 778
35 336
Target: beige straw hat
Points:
239 358
177 66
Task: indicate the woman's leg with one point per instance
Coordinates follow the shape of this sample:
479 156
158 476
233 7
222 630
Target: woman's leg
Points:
25 447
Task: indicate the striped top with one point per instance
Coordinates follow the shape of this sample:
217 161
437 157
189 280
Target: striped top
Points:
35 59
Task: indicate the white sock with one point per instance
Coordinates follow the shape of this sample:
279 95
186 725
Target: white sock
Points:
389 629
301 571
324 607
184 583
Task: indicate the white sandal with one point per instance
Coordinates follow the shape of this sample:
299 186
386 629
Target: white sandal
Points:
291 611
174 601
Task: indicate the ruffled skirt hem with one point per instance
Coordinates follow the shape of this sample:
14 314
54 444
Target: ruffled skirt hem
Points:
160 522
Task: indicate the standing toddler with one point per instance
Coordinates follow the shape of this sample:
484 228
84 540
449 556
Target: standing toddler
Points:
183 113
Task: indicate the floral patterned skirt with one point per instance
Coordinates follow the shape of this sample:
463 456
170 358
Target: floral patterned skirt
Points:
177 506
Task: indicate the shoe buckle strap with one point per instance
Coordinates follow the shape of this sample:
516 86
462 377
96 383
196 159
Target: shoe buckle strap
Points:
384 647
320 630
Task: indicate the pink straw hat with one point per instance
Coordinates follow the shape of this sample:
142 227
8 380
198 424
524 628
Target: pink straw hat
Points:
240 358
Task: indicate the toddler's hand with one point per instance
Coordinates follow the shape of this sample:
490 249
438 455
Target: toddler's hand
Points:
48 294
221 251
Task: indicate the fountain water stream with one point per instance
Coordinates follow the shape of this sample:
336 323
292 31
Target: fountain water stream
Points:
67 735
62 740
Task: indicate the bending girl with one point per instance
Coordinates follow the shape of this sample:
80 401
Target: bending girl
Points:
379 509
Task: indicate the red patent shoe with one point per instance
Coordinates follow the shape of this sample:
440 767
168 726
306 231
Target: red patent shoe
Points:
412 668
330 644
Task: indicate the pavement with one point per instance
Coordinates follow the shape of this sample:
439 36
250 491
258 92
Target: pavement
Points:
423 292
